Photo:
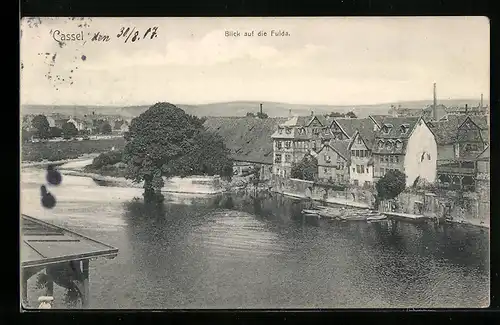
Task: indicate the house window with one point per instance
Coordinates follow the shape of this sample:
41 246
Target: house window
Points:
316 131
356 182
381 144
306 145
326 170
280 130
288 131
339 136
277 159
388 145
391 158
358 140
357 153
362 168
353 169
326 131
396 159
399 144
287 158
287 144
362 152
327 159
278 144
382 171
353 152
284 173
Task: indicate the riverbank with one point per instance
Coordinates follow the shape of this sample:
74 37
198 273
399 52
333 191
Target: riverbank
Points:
402 216
45 163
67 150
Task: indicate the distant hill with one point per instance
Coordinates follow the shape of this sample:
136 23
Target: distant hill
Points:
240 108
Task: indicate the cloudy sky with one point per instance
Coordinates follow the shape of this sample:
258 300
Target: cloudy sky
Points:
338 61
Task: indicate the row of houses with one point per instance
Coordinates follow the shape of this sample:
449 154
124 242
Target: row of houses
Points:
89 123
361 150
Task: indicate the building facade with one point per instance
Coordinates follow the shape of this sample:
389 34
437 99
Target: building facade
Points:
483 182
333 162
362 166
461 138
406 144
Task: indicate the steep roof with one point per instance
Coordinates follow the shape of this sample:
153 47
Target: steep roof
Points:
485 155
395 130
445 130
297 121
368 137
340 146
248 139
351 125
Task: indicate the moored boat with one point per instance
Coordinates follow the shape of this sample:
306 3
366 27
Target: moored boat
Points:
374 218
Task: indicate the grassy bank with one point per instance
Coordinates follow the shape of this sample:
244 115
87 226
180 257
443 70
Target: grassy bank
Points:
54 151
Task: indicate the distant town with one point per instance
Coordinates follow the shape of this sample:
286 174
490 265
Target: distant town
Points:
437 146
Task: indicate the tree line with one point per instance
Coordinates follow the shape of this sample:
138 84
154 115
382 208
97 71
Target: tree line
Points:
41 129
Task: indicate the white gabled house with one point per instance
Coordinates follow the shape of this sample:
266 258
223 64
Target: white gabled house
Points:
406 144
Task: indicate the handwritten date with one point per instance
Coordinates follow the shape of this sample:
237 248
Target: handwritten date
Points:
134 35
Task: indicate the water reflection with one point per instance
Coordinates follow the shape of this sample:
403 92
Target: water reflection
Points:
245 251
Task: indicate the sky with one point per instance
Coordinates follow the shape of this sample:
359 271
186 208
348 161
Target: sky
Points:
331 61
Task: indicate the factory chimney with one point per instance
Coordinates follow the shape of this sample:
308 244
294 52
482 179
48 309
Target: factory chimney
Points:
434 105
260 109
481 101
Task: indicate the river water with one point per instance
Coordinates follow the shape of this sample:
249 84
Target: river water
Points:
235 251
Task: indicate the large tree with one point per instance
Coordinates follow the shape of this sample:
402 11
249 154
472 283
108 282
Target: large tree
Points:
164 141
69 130
42 126
105 128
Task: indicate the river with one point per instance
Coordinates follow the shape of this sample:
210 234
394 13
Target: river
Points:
234 251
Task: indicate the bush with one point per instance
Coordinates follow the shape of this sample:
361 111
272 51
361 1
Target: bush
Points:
107 159
390 186
306 169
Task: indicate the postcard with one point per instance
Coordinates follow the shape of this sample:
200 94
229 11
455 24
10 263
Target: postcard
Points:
243 163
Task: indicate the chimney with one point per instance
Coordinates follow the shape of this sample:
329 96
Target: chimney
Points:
434 105
312 113
260 108
466 109
481 101
394 111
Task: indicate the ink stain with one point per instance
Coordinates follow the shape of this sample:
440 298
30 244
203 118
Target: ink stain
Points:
53 176
84 57
48 200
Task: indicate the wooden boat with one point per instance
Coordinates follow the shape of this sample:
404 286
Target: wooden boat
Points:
354 217
374 218
311 212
